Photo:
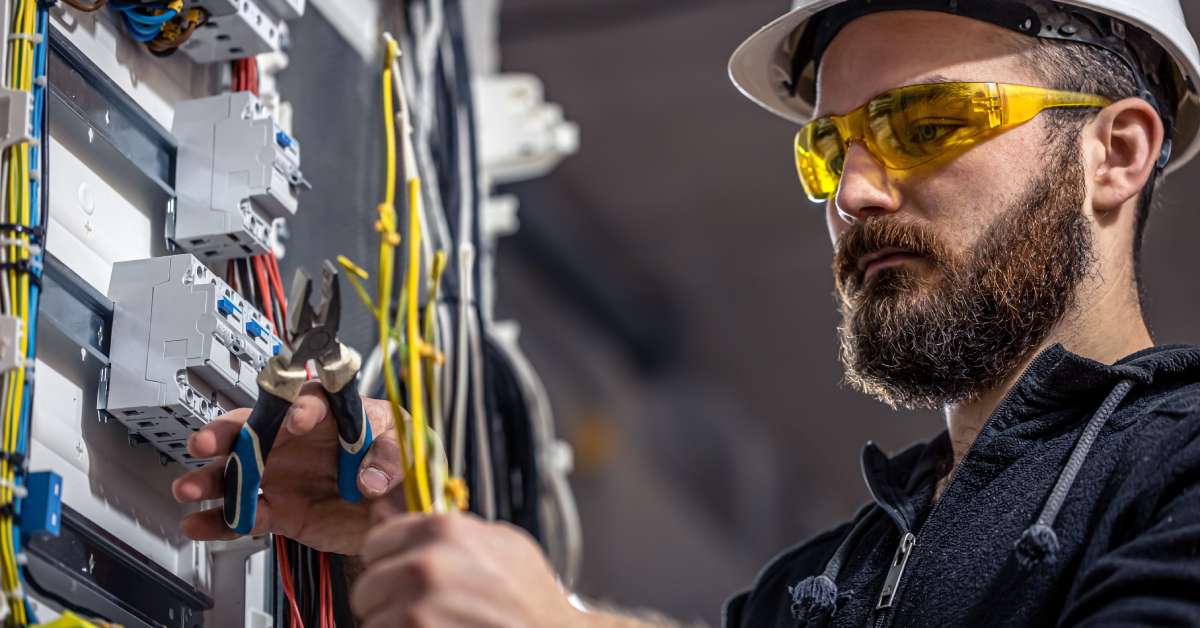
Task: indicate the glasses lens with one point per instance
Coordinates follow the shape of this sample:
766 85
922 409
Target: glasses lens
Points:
913 125
820 154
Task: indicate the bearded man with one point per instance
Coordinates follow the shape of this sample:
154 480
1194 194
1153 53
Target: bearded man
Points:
987 169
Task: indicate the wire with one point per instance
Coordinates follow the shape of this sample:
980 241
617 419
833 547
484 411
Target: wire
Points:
20 256
87 8
289 591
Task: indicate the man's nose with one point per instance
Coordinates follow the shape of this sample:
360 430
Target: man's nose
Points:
866 188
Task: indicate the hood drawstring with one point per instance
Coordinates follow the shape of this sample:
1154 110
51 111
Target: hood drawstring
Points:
1038 545
815 597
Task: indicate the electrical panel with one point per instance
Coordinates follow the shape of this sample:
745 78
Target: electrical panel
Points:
185 348
238 177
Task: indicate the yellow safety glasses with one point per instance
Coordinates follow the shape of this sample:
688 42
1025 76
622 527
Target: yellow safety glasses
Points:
910 126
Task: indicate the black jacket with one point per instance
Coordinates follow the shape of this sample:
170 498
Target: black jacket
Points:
1078 504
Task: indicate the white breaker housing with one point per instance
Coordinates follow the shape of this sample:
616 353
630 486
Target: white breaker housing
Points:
238 174
240 28
185 349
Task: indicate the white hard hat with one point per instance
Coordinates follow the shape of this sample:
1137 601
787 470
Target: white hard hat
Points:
771 67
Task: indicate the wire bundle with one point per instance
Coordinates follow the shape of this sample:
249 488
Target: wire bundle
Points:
20 260
305 575
485 399
163 25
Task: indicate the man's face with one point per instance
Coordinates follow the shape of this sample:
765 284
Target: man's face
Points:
948 274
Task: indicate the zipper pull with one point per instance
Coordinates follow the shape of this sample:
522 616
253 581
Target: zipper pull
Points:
896 571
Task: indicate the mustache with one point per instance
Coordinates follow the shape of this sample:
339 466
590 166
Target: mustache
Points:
872 235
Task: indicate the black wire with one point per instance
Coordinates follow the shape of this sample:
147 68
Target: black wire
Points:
244 279
463 91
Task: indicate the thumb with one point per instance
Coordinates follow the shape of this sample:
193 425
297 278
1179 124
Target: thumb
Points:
380 470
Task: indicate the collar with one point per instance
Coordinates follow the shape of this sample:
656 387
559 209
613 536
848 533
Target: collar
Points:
1058 385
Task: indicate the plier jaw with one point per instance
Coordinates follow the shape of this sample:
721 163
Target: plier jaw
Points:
314 330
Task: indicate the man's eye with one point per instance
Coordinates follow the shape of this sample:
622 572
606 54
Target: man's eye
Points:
836 164
931 131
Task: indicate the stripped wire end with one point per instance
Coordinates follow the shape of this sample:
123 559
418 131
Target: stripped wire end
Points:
357 274
457 493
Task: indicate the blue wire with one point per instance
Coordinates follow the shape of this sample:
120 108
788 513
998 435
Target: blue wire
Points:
143 27
35 191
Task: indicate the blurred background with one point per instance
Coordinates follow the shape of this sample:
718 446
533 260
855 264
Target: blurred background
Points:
673 289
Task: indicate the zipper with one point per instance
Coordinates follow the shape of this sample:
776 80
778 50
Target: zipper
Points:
908 541
896 571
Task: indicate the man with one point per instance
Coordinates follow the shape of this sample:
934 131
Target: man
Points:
985 191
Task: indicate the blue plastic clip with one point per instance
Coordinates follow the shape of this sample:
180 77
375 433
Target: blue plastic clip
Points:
254 330
41 510
283 139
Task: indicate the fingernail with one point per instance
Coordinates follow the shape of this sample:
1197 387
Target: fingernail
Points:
375 481
290 420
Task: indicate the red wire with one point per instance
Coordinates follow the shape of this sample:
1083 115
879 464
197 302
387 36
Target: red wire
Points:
264 292
326 591
252 70
285 574
277 286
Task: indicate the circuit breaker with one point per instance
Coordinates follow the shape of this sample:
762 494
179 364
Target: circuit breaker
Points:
185 348
239 28
238 177
285 9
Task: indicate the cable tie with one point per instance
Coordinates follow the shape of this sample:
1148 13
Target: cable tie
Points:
28 245
32 38
22 560
14 457
20 491
40 80
10 510
37 234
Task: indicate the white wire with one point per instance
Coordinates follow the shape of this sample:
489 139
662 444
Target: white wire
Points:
466 265
552 468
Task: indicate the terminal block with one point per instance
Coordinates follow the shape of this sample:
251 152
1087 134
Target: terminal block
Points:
235 29
185 348
238 177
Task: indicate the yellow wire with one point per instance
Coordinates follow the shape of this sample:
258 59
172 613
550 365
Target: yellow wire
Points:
17 210
388 239
416 389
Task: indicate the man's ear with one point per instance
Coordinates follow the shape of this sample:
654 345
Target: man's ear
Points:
1128 137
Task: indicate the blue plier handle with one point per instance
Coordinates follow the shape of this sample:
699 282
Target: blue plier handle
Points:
278 386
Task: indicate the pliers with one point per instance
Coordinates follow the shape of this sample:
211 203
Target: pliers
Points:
314 334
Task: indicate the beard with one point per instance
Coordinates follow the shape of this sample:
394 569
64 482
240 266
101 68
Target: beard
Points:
917 339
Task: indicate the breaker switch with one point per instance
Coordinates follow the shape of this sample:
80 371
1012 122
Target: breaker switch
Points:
226 307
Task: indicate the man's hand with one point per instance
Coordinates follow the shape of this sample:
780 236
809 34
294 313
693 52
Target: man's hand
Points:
457 571
300 498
